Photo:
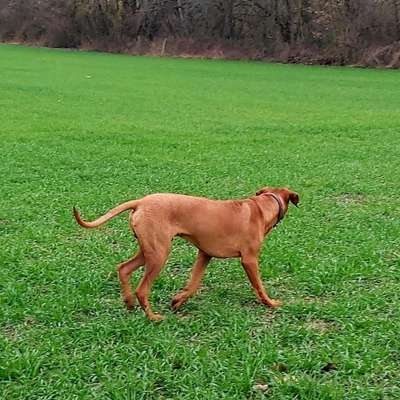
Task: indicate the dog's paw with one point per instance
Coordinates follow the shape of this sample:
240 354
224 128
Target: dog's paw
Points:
177 302
129 302
156 317
274 303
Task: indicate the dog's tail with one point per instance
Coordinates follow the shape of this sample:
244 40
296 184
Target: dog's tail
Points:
129 205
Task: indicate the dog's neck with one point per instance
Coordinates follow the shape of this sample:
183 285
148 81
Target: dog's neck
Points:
281 212
281 208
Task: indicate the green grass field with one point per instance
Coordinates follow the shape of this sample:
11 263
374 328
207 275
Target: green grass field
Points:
93 130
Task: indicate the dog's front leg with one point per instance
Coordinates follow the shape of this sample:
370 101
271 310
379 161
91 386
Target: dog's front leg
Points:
193 284
250 265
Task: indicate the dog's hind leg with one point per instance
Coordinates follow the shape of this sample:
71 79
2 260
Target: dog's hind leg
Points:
153 265
125 271
194 282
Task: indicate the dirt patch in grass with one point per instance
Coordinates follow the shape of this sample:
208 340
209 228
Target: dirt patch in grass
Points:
312 299
11 332
351 198
321 326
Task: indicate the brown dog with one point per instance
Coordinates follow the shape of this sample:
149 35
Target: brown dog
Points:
218 228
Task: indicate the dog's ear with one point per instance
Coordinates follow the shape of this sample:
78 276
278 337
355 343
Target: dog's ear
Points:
294 198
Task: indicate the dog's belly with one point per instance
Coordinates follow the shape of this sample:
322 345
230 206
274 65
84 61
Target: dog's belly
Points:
216 248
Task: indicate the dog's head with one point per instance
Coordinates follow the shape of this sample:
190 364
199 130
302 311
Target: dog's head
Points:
284 193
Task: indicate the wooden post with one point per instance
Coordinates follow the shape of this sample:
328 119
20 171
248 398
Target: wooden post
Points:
179 3
164 45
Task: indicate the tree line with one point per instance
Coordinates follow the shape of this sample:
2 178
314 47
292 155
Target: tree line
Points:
363 32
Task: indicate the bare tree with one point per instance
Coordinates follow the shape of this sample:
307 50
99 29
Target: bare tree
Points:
328 31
